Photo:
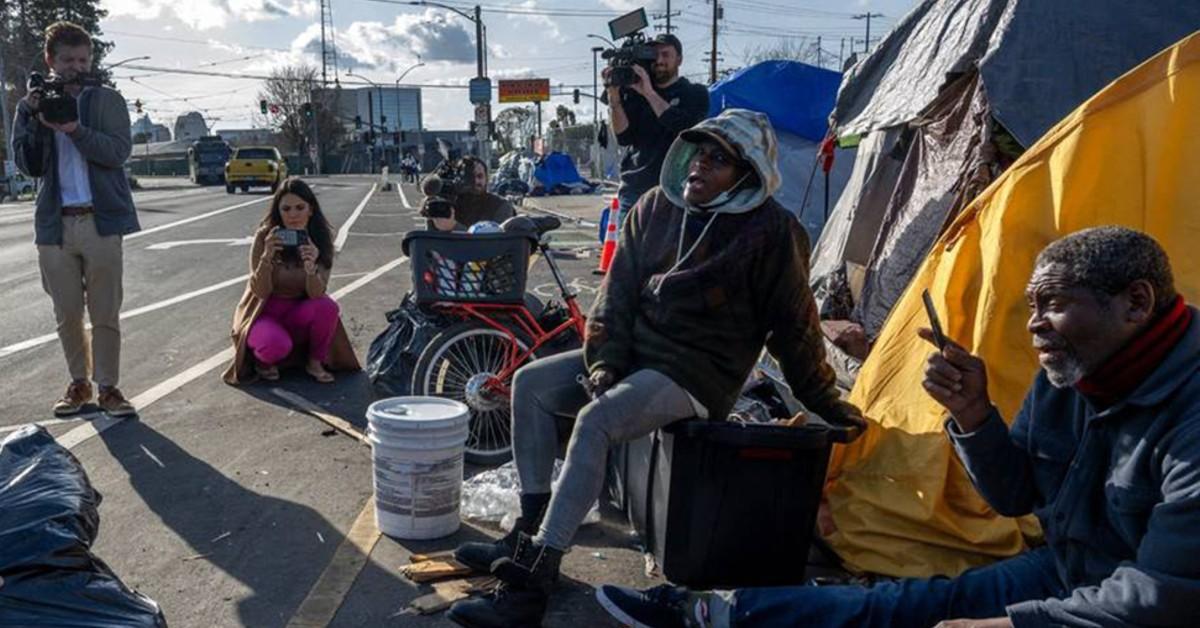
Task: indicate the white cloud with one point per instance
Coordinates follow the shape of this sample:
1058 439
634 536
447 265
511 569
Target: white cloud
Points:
546 26
623 5
433 35
208 14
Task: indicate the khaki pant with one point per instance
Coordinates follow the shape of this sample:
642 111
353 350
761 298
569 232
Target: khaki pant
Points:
86 272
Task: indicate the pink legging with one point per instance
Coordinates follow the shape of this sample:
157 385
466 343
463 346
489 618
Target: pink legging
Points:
285 323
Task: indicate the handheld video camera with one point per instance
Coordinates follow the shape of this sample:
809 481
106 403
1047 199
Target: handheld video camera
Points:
633 51
56 105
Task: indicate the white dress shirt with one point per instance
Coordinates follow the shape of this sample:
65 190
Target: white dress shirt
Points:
73 181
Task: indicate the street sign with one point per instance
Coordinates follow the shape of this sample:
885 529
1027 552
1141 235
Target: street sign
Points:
483 114
525 90
481 90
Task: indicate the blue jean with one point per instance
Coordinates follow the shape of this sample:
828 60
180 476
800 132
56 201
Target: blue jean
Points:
918 603
626 198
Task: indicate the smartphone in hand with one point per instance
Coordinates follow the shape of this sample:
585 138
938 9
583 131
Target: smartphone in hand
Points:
935 323
292 238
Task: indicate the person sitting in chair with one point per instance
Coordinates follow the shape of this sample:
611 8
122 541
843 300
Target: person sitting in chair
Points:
708 269
1103 451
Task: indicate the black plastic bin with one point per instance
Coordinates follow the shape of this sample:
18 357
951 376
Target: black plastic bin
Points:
457 267
726 505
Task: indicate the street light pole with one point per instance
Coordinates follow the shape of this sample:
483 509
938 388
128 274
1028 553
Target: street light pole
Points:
596 87
124 61
480 69
403 74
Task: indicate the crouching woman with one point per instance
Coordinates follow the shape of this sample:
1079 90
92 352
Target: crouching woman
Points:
285 316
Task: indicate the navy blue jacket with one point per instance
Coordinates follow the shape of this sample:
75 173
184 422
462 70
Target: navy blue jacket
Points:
1117 492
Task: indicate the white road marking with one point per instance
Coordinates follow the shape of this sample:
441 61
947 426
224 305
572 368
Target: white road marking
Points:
45 338
184 221
344 232
394 234
403 198
163 246
52 422
369 277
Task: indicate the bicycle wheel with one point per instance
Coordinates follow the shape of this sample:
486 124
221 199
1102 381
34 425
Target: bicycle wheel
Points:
457 364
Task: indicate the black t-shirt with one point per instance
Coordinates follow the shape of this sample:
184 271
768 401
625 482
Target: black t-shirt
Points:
648 136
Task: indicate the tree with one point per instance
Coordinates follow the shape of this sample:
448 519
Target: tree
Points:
22 37
798 49
565 116
514 127
288 90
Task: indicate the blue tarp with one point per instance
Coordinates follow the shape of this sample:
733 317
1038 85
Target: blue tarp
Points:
797 97
557 169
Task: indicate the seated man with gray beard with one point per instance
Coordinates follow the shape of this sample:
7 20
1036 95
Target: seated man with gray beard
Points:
1105 451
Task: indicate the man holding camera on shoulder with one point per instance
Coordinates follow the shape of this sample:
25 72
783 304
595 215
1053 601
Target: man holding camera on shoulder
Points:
73 133
648 114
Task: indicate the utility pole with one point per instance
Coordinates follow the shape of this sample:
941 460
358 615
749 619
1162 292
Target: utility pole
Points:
668 17
370 131
819 52
842 55
712 66
867 16
5 121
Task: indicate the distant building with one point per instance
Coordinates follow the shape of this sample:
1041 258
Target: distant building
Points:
148 131
400 109
250 137
190 126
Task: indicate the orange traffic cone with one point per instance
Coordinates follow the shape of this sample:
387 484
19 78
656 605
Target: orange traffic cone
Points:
610 242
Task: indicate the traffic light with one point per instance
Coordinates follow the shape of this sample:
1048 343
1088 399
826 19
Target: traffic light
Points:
357 122
138 105
262 106
576 95
307 108
383 120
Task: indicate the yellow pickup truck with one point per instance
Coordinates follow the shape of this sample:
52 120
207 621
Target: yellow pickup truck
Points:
254 166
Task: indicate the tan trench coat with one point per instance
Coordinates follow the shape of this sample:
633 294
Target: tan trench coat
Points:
272 278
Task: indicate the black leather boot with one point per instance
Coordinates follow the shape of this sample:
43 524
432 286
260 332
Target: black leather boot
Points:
480 556
519 601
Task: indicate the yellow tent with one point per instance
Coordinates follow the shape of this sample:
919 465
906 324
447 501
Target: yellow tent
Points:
898 497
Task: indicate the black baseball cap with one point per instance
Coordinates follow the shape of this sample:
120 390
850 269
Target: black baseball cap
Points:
667 39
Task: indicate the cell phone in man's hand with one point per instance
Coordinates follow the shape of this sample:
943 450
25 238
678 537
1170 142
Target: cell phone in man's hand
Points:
292 238
935 324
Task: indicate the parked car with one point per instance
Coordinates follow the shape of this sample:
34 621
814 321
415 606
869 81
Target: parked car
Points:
17 185
254 166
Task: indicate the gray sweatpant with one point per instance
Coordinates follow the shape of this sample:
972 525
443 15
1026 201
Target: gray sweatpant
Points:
637 405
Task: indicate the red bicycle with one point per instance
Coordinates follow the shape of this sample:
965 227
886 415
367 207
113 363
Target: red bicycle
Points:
477 284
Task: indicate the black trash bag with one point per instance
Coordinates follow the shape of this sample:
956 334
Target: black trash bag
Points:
48 522
393 354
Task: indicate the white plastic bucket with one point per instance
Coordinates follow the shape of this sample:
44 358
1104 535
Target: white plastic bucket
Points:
417 445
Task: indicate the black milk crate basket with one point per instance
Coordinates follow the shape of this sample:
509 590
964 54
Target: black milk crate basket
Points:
462 268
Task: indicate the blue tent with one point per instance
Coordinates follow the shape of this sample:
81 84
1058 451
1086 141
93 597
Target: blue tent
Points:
798 99
796 96
557 169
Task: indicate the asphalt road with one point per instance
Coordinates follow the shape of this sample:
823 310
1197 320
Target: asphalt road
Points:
226 505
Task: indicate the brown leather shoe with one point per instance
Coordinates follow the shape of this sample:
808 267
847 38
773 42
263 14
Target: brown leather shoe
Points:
114 403
78 393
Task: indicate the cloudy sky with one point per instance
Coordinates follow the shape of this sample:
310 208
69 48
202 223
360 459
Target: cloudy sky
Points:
381 38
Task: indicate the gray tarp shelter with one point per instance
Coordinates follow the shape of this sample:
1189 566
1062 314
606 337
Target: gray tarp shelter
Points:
944 105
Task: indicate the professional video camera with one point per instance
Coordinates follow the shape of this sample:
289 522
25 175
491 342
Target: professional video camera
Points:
633 51
443 187
56 105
